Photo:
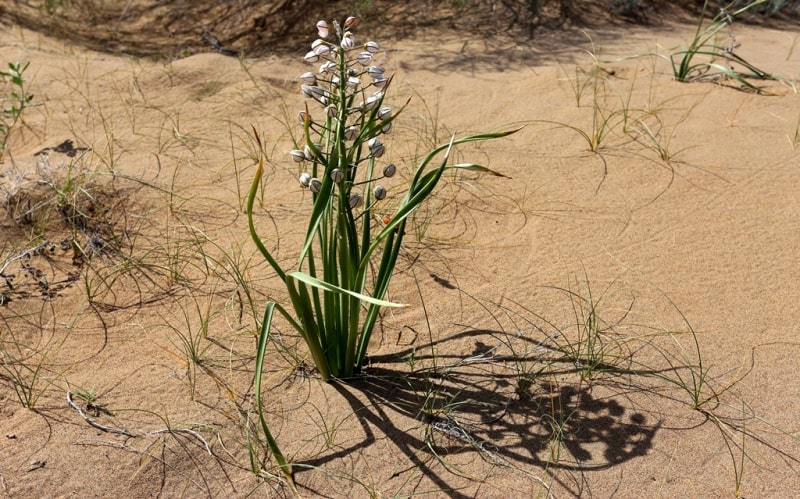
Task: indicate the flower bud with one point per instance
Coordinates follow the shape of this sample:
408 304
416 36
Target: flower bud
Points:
389 170
375 71
348 40
308 153
349 22
322 50
371 47
316 43
315 92
322 29
373 101
380 81
353 82
385 113
337 175
298 156
327 67
315 185
331 110
364 58
386 128
308 78
379 192
302 116
356 200
376 147
305 178
311 57
351 132
311 90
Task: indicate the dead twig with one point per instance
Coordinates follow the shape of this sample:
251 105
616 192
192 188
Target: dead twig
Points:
94 423
122 431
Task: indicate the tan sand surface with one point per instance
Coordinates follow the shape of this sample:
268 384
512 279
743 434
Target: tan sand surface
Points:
685 219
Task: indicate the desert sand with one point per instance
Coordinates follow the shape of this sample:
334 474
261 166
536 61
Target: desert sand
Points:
674 242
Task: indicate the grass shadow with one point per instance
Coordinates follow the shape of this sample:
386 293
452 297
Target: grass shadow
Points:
550 429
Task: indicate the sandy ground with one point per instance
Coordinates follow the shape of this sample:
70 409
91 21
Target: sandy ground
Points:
698 233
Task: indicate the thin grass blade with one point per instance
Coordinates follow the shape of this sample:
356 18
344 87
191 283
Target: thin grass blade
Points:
263 339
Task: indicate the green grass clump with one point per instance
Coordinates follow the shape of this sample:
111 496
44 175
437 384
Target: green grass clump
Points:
707 58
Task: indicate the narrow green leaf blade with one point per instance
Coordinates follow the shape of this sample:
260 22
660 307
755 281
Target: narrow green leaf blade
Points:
312 281
477 168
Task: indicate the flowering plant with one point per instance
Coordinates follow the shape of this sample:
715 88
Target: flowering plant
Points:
335 293
349 252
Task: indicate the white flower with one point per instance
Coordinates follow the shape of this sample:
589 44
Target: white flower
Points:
298 155
376 147
385 113
373 101
380 81
389 170
371 47
308 152
351 132
328 67
349 22
305 178
322 29
311 57
337 175
308 78
353 82
315 185
322 50
375 71
364 58
312 91
386 128
379 192
331 110
356 200
315 92
348 40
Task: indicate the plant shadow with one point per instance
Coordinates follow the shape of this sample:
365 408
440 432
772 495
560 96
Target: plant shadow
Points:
538 424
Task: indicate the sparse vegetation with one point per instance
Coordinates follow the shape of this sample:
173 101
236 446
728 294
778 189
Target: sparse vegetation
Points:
129 284
708 58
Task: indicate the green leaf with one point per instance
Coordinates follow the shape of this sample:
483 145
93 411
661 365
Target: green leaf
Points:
263 338
312 281
251 196
477 168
